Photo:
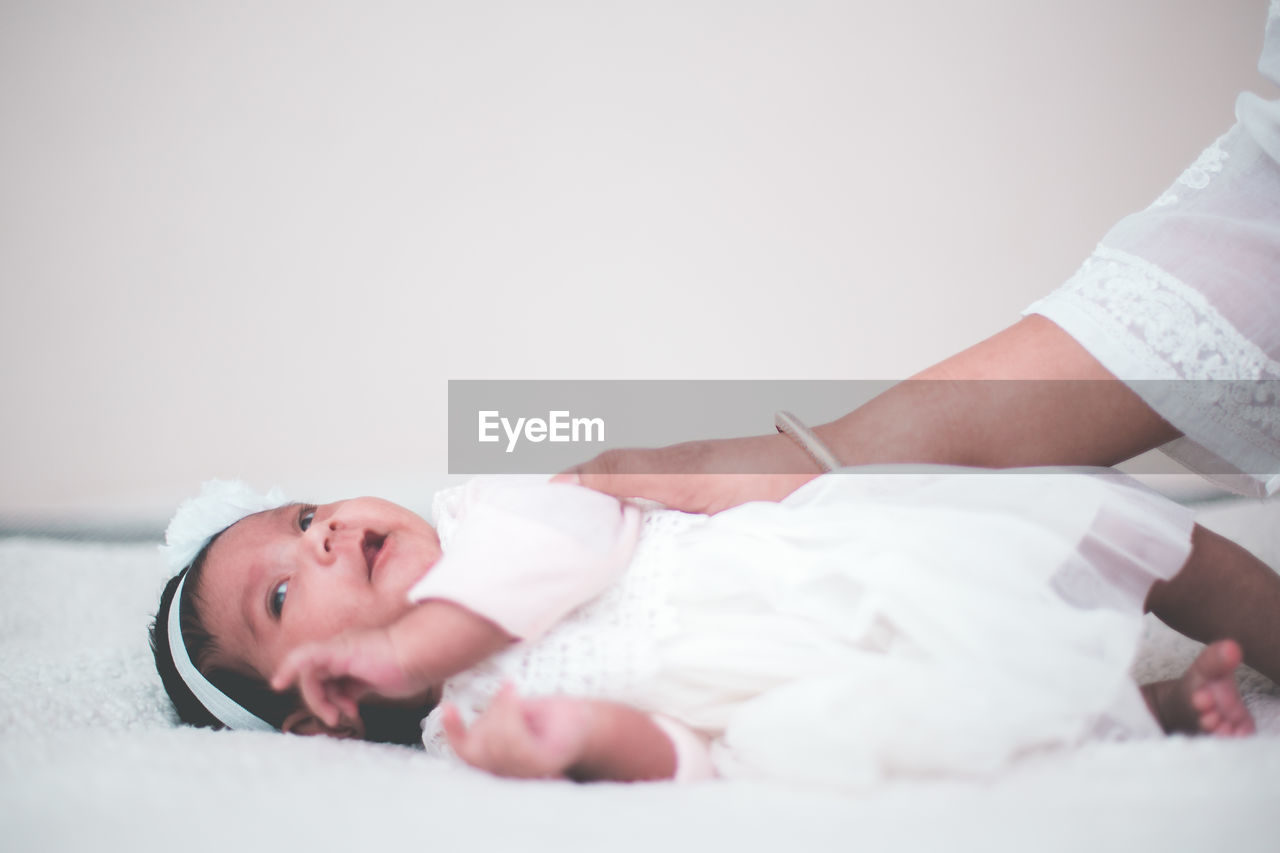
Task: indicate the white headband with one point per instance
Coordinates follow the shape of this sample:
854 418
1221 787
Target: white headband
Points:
229 712
219 505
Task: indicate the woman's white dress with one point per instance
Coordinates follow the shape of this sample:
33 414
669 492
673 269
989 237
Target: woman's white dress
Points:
874 623
1182 300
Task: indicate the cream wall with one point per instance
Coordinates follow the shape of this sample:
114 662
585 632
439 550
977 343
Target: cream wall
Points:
256 239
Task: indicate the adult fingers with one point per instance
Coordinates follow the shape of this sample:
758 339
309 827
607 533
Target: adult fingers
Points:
699 476
673 476
629 473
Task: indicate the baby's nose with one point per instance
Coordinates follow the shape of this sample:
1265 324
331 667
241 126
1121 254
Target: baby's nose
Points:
339 539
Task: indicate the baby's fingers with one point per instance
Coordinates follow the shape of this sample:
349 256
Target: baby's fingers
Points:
489 735
348 698
455 731
290 669
312 686
308 668
343 693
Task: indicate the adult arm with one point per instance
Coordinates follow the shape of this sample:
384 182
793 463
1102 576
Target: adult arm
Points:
1073 413
1029 395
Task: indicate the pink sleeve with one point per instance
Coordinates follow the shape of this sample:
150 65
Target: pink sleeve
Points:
525 553
693 759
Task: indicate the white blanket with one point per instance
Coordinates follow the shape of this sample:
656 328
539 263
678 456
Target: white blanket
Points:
91 759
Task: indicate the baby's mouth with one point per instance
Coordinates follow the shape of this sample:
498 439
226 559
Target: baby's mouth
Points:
371 544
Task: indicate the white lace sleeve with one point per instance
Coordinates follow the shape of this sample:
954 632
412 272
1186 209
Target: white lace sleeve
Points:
1182 300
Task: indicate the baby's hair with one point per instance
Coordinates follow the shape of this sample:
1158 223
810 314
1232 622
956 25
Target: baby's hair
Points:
382 724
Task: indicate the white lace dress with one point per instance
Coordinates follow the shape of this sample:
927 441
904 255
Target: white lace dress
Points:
873 624
1182 300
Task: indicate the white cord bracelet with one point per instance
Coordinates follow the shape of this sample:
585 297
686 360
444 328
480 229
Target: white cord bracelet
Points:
790 426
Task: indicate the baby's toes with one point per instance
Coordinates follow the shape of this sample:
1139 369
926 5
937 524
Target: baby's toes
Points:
1226 697
1210 721
1203 700
1240 721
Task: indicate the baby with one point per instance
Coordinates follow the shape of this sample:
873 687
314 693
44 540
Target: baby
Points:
863 627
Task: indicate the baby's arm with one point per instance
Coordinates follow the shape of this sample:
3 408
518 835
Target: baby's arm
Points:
404 660
580 739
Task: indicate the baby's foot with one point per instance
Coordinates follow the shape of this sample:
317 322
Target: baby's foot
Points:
1205 699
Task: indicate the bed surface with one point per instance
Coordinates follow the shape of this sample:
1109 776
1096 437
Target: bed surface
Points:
90 758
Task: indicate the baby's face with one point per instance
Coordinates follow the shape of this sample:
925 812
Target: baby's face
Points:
302 573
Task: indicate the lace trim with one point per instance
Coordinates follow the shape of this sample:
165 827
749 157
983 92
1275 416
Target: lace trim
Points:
1198 175
444 513
1166 324
1167 330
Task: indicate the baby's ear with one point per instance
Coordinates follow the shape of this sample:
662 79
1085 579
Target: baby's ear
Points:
303 722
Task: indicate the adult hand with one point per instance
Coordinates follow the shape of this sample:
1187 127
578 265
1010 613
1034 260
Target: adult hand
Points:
700 476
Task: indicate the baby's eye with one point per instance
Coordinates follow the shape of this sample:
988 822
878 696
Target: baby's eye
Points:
276 604
306 514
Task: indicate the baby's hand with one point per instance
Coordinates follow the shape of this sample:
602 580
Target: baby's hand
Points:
523 738
334 675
